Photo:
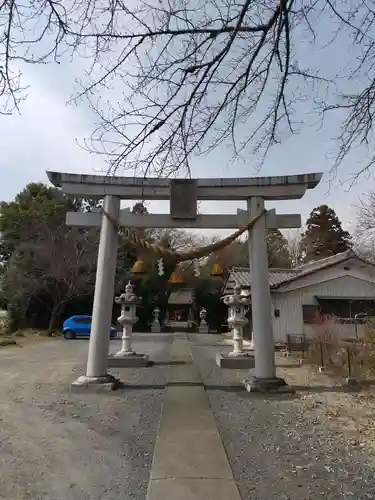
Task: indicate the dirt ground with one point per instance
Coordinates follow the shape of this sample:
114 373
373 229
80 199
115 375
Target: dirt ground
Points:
348 410
291 446
60 445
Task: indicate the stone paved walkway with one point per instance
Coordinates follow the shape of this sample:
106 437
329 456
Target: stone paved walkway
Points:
190 462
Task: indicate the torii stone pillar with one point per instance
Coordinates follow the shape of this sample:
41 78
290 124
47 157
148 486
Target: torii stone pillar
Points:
97 361
265 368
184 215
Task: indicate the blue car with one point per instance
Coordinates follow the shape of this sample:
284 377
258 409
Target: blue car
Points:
80 326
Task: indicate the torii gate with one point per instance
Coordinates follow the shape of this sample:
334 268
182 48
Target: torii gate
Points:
183 195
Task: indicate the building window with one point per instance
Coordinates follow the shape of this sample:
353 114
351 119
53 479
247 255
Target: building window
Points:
309 313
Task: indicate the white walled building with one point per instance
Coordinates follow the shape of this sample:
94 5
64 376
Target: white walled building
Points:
342 285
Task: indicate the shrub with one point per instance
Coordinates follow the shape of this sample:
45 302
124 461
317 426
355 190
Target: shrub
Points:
4 326
325 339
335 353
365 350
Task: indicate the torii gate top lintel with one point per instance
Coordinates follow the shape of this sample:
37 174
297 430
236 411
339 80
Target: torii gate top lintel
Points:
183 195
241 188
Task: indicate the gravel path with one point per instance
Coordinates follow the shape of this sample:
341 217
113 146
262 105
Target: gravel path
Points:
59 445
276 448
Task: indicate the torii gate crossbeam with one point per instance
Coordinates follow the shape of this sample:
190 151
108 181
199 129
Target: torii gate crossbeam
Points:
183 195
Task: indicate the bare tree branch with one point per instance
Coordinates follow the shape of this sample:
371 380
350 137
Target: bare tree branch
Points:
37 269
365 223
172 79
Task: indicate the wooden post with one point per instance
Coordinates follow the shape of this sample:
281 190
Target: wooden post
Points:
321 367
349 361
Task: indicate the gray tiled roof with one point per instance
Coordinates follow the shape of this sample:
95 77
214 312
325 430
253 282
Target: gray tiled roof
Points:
242 275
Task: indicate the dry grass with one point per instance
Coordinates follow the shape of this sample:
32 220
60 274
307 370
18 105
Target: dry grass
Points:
4 326
325 397
24 337
7 341
32 336
327 350
343 359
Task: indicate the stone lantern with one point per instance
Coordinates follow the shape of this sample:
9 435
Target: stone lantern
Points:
155 326
238 358
203 326
128 317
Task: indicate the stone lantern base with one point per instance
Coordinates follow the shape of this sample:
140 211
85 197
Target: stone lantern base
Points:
203 328
155 328
134 360
244 361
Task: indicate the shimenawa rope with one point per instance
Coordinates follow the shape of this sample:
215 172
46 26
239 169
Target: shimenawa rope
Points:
131 238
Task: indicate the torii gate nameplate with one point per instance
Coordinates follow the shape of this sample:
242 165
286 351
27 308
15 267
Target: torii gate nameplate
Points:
183 199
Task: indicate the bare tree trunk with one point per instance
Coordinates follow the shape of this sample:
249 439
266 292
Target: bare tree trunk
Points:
55 313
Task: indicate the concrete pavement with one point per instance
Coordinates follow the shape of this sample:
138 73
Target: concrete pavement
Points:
189 462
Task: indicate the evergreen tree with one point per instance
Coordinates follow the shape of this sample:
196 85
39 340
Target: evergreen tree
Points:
19 219
279 254
324 235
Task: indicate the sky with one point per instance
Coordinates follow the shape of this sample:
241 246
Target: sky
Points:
46 134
